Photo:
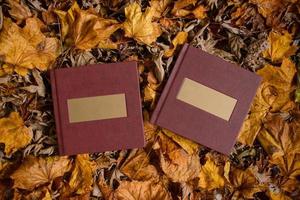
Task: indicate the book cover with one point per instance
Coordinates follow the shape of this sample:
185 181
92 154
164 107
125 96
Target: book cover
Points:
97 108
206 99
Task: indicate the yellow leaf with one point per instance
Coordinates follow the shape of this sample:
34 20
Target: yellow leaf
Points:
211 175
85 29
280 46
82 175
36 171
137 166
200 12
139 25
188 145
26 48
13 133
159 6
18 10
175 162
178 9
243 183
146 190
179 39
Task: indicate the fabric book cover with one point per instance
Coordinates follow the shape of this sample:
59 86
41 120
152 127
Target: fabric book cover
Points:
206 99
97 108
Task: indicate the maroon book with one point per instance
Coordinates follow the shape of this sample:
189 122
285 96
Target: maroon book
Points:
206 99
97 108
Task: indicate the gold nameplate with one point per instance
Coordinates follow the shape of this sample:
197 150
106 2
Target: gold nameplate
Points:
97 108
206 98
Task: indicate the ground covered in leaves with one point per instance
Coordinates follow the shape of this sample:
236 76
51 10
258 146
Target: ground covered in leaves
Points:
259 35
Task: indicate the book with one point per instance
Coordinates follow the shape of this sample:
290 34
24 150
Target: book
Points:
97 108
206 99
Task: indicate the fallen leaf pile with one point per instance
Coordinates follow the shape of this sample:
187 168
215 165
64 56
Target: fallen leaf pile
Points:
261 36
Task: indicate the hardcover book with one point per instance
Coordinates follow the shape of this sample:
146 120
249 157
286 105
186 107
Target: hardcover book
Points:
97 108
206 99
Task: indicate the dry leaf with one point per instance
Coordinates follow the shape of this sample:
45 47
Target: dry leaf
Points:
137 166
81 180
243 183
188 145
84 29
176 163
26 48
159 6
13 133
211 175
139 25
200 12
18 10
280 46
179 39
178 9
36 171
136 190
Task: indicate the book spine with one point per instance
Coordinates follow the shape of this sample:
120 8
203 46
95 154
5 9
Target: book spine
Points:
56 112
168 85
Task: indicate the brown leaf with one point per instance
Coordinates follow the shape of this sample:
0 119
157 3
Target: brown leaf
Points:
36 171
139 25
137 190
26 48
200 12
159 6
81 180
18 10
137 166
280 46
176 163
13 133
84 29
178 9
211 175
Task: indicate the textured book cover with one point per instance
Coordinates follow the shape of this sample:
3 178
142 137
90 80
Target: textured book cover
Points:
206 99
97 108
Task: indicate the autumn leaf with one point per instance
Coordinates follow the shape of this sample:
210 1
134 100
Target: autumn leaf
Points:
211 175
137 166
36 171
243 183
176 163
272 95
179 39
82 175
139 25
26 48
200 12
188 145
159 6
13 133
179 7
280 46
84 29
18 10
146 190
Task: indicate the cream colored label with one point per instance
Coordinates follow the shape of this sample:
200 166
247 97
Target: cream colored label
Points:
207 99
97 108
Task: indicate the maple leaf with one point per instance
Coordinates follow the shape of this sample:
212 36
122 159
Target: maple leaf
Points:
146 190
36 171
159 6
188 145
243 183
81 179
175 162
26 48
272 95
179 39
13 133
280 46
139 25
85 29
137 166
18 10
211 175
